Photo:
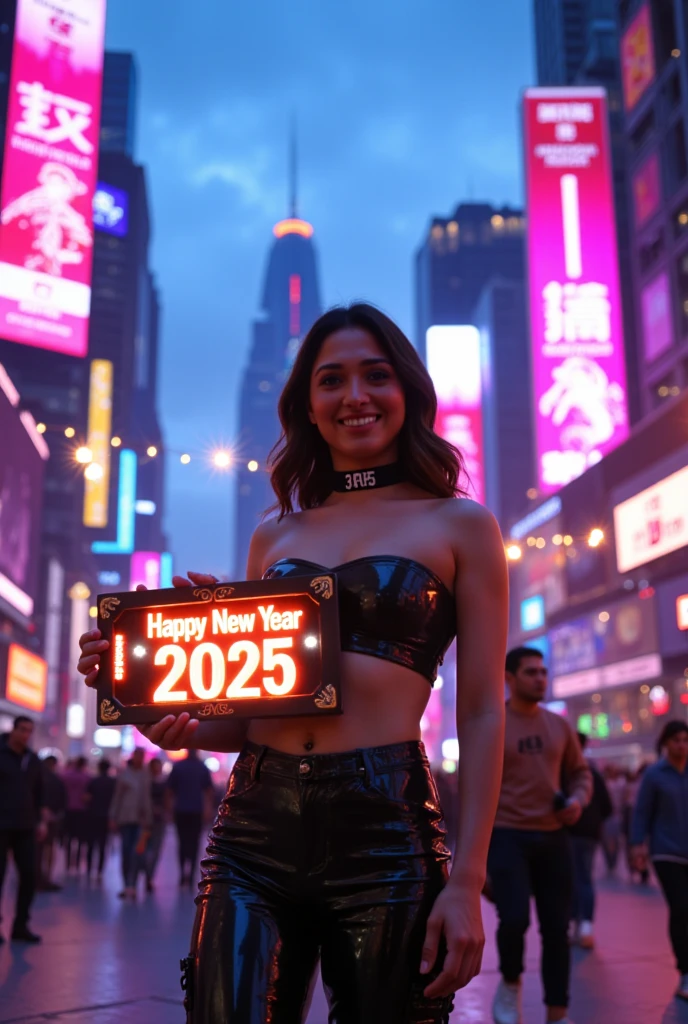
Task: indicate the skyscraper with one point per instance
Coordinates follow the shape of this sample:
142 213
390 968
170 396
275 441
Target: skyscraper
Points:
118 118
290 304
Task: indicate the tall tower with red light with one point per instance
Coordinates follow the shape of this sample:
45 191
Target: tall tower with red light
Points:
290 303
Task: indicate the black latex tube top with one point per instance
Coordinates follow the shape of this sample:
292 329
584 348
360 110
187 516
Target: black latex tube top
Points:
389 607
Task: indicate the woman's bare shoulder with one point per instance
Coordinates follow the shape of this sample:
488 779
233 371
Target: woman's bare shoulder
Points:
471 523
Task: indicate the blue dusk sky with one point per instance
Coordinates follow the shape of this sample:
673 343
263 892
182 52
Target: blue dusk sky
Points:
405 108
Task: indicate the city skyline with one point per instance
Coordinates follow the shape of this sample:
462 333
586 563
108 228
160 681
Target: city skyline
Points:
372 175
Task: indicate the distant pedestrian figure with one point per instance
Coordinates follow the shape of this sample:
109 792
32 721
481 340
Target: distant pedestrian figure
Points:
76 779
157 833
132 815
613 828
55 804
659 833
585 837
22 819
191 786
99 795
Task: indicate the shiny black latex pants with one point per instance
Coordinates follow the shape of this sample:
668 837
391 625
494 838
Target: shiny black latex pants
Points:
336 858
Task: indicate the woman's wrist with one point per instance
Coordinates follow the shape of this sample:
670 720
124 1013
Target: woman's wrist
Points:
467 878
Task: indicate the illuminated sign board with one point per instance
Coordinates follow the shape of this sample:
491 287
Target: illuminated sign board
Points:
637 57
49 174
647 190
682 612
126 509
635 670
145 569
27 679
453 359
111 210
97 489
652 523
258 649
532 613
538 517
658 331
579 375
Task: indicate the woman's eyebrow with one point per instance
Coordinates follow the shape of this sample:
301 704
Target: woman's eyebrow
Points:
364 362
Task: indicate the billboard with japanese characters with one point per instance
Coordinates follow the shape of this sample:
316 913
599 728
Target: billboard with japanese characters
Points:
453 358
49 174
579 372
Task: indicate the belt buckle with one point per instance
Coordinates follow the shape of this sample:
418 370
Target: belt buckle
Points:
305 768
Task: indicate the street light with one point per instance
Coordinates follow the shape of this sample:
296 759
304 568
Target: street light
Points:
83 455
93 471
70 431
151 451
222 459
596 537
185 459
116 441
252 466
513 552
41 428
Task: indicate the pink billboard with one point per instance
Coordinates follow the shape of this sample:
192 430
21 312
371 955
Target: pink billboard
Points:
579 374
49 174
145 568
453 358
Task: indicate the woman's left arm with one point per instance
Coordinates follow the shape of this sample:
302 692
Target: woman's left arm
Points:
482 604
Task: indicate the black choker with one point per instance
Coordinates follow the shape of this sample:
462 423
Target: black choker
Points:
368 479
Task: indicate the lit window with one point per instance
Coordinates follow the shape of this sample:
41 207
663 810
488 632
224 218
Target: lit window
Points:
497 222
452 228
437 231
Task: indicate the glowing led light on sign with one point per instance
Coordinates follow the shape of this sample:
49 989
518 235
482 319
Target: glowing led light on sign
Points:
119 657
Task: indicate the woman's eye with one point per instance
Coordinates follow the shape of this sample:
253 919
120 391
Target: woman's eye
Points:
379 375
329 381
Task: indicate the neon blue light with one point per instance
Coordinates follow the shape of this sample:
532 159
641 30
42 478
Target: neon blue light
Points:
126 509
165 569
532 613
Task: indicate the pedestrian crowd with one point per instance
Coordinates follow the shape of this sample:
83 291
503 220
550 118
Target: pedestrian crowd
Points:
557 811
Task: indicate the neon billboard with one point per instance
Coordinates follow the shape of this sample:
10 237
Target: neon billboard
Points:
145 569
453 358
579 373
49 174
637 57
126 509
97 488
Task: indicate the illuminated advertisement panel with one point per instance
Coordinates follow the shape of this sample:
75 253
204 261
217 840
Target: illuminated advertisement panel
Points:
637 57
658 332
647 190
111 210
652 523
48 180
145 569
126 509
23 452
97 485
453 359
27 679
579 375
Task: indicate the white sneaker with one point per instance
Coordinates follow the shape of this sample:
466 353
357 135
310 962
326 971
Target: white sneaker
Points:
586 938
682 990
506 1008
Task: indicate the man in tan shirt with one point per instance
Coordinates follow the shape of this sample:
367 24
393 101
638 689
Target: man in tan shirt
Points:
545 786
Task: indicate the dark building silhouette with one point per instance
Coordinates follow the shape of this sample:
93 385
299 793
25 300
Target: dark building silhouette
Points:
290 303
656 128
118 120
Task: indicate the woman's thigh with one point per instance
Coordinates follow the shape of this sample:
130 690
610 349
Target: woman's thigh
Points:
252 960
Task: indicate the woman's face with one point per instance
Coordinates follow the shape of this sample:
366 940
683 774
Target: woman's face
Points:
356 400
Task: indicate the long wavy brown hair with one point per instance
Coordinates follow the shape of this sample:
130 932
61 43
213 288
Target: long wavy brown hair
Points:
301 463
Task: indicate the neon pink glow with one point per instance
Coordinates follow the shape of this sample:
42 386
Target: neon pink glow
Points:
647 190
453 357
295 306
49 176
576 329
145 568
658 333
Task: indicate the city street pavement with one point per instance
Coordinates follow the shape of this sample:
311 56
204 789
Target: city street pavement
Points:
104 962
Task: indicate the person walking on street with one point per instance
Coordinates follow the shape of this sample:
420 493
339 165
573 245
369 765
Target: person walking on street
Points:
585 837
132 815
76 779
157 834
191 786
22 819
99 796
530 851
659 833
636 865
613 828
55 803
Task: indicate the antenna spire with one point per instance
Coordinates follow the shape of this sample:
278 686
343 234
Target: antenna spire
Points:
293 170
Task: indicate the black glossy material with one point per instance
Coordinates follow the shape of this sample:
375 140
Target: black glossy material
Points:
389 607
337 857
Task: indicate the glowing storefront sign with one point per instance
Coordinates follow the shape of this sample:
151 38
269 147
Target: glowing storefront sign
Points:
126 509
658 332
637 57
575 302
453 359
111 210
538 517
51 155
635 670
145 569
244 649
647 190
96 492
652 523
27 679
682 612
